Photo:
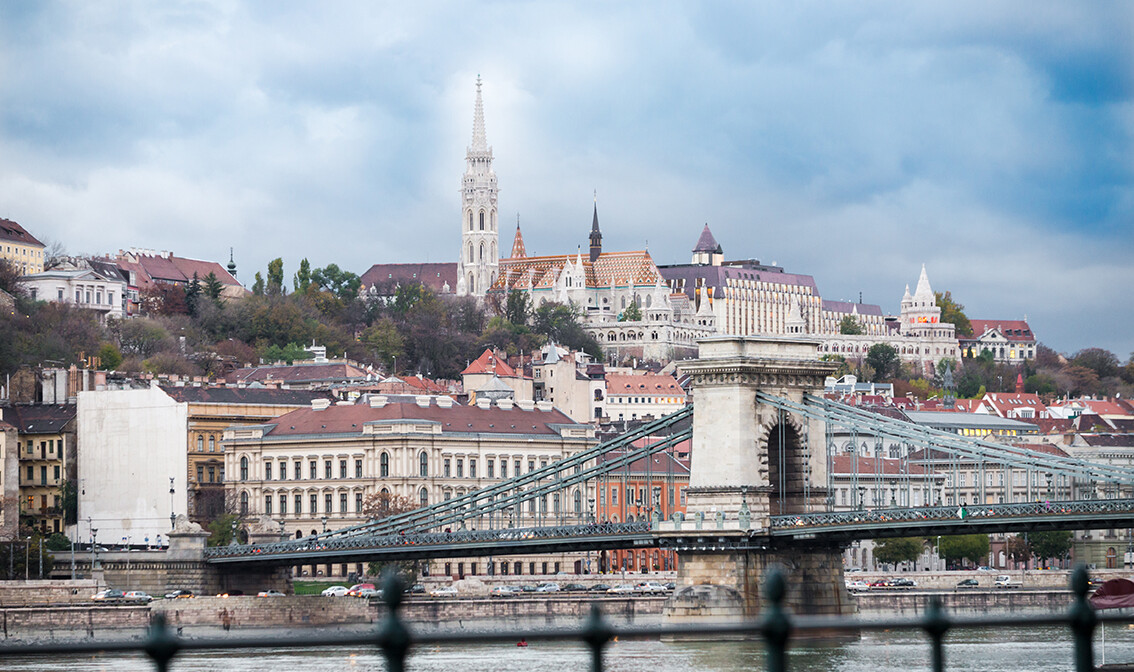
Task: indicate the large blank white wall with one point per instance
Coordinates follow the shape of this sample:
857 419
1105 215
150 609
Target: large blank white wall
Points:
130 443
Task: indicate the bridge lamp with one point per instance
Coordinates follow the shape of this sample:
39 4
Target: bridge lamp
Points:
591 507
172 515
324 519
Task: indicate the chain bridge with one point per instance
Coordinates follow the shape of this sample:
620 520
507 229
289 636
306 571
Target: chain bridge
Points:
769 456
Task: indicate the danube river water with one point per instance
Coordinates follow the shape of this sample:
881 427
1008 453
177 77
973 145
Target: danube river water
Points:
1015 650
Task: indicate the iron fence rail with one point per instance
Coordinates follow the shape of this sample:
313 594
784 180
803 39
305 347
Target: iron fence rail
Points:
777 628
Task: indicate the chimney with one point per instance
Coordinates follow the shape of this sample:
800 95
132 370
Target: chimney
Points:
379 401
525 404
505 403
320 404
422 400
483 403
544 405
444 402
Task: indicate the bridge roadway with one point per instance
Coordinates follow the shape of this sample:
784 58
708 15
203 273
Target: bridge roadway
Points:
785 531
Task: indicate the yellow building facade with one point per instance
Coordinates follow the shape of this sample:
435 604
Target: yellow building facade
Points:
20 247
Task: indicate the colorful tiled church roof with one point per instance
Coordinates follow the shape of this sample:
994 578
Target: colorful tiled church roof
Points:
610 269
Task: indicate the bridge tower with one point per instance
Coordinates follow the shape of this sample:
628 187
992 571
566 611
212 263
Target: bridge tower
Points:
751 461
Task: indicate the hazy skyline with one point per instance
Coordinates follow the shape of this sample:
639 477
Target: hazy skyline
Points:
852 142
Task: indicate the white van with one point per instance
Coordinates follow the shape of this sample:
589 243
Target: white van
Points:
1005 581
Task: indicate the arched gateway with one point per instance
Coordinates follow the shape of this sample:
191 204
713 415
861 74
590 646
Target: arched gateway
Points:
751 461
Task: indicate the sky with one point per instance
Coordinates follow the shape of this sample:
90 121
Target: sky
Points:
852 141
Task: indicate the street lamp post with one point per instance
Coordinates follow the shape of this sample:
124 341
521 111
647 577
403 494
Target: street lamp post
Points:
591 508
172 515
27 557
324 524
94 548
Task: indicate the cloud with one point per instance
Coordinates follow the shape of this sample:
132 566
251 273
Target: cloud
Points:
848 142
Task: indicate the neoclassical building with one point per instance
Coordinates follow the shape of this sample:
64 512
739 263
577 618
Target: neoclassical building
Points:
313 469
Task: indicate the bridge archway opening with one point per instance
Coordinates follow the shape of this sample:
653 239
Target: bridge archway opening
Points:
787 468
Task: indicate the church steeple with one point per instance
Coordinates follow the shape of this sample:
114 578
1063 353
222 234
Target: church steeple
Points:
518 250
231 264
479 260
596 234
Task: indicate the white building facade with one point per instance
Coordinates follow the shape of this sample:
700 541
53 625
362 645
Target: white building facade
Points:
478 263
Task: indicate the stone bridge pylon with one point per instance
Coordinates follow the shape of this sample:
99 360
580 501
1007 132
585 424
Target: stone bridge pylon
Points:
751 461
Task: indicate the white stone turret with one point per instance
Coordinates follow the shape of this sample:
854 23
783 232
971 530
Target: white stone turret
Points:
478 263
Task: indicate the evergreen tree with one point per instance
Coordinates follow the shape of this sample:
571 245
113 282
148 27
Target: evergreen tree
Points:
192 294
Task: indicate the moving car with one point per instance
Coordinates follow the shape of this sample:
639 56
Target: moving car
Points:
369 592
574 588
179 595
903 583
650 588
859 586
138 596
502 591
443 591
271 592
1005 581
968 583
599 588
353 590
549 587
416 589
622 588
336 591
109 595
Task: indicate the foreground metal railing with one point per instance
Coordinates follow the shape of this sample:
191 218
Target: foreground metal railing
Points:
776 628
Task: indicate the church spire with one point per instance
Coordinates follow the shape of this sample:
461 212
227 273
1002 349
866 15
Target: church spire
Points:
596 234
518 250
231 264
479 137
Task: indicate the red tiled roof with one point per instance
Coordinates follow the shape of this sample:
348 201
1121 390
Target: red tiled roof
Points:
618 269
646 383
1046 448
12 231
1013 330
243 395
202 268
844 464
1005 402
349 419
489 363
1051 425
434 276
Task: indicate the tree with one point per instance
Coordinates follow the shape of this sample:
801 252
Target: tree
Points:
10 278
902 549
383 505
519 307
632 313
192 294
383 338
1103 362
953 313
560 323
275 277
971 547
1049 545
343 284
302 278
258 285
57 542
109 357
223 529
850 325
141 336
213 287
883 358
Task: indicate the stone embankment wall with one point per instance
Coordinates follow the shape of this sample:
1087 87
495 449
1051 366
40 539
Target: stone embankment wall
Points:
1058 579
312 611
31 593
965 601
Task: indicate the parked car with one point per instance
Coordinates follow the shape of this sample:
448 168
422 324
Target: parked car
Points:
416 589
671 586
271 592
527 588
503 591
109 595
138 596
968 583
336 591
903 583
599 588
622 588
179 595
443 591
549 587
984 568
649 587
574 588
353 590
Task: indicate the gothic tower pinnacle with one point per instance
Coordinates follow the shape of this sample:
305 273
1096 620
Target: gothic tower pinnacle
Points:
478 264
596 235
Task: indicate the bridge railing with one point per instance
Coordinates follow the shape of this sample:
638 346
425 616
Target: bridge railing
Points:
457 537
963 512
395 639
